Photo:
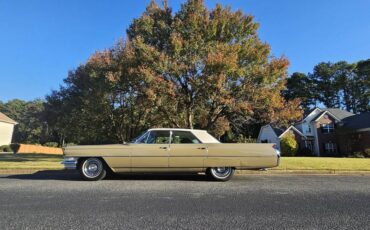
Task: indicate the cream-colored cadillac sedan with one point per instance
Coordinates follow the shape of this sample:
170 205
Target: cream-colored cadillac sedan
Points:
170 150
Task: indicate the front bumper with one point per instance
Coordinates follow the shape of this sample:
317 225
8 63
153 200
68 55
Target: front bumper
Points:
70 162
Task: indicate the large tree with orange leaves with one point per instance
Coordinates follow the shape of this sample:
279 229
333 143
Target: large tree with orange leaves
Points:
208 68
196 68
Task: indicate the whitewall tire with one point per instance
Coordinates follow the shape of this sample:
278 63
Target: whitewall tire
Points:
221 173
92 169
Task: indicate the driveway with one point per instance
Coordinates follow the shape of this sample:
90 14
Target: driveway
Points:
47 200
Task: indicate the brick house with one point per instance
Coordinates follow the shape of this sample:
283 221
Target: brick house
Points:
324 132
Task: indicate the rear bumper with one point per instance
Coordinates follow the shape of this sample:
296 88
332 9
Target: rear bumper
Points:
277 157
70 162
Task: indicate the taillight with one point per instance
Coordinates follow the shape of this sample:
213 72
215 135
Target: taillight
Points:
275 147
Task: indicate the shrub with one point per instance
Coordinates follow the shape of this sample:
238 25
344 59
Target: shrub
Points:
15 147
288 145
51 144
244 139
367 152
230 137
305 152
358 154
5 148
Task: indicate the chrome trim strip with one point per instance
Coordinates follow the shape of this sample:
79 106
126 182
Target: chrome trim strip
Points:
70 163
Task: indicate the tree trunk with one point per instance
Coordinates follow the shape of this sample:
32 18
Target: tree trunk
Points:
190 120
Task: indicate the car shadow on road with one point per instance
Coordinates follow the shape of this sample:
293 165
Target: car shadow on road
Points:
169 177
47 175
74 176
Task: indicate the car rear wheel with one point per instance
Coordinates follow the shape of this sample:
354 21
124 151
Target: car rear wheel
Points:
221 173
92 169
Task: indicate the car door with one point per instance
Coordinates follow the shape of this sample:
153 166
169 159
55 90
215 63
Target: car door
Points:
186 151
151 151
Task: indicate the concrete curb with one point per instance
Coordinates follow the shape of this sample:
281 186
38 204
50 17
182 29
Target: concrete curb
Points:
238 172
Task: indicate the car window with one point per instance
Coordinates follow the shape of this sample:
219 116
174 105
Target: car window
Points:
141 139
184 137
158 137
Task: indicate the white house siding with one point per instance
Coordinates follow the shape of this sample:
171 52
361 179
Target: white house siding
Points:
305 128
267 133
6 133
306 123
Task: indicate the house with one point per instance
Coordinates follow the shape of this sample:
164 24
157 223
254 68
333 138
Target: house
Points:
354 133
6 129
324 132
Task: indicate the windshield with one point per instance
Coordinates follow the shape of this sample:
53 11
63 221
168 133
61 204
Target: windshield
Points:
140 138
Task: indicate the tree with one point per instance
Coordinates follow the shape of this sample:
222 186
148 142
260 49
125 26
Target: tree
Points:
339 85
362 86
196 68
102 101
301 87
30 128
326 85
204 65
345 80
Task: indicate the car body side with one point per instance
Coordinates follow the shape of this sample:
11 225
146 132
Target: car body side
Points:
173 157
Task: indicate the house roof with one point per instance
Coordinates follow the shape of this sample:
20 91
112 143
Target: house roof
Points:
359 122
280 131
5 118
338 114
277 130
308 112
293 128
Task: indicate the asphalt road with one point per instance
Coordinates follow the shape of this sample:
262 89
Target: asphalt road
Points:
60 201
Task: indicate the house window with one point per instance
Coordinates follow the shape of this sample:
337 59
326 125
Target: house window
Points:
309 129
308 144
327 128
330 147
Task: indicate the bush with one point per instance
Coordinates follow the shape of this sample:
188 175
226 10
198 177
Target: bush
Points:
244 139
367 152
15 147
51 144
230 137
358 155
5 148
288 145
305 152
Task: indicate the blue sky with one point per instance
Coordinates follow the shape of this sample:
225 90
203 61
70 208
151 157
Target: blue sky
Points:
40 41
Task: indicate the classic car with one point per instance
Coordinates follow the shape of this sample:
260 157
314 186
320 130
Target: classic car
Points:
170 150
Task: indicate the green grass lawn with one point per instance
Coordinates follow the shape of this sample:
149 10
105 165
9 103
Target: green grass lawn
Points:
47 161
324 163
30 161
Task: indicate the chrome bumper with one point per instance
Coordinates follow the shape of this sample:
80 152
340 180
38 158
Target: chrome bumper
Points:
278 155
70 163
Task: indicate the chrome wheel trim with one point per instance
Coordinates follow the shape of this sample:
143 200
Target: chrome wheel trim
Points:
221 172
92 168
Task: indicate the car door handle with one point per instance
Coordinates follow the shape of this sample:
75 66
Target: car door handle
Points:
202 148
163 147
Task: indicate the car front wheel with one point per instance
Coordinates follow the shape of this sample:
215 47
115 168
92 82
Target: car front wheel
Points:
221 173
92 169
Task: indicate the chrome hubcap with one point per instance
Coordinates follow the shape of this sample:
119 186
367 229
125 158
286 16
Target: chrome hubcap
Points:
92 167
221 172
